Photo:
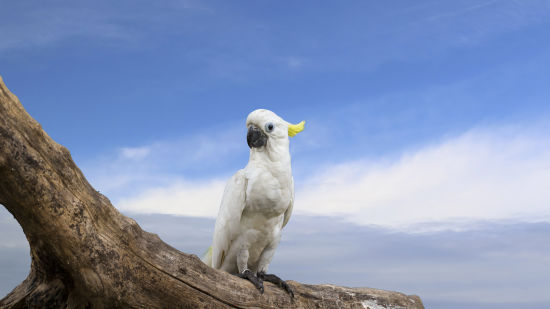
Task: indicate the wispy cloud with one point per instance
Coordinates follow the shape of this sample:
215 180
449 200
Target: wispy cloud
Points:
248 47
134 153
180 198
497 174
471 22
167 163
483 174
42 26
294 62
26 25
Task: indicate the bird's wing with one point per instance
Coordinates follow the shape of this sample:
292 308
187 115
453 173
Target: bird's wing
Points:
229 217
288 211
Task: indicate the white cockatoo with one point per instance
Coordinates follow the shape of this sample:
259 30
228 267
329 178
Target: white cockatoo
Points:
257 203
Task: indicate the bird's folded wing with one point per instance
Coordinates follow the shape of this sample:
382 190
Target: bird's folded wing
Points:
288 211
229 217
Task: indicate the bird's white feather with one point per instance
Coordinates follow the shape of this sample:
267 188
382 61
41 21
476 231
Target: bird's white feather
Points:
229 216
288 211
257 202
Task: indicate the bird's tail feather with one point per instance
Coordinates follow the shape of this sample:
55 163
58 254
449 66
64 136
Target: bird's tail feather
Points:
207 257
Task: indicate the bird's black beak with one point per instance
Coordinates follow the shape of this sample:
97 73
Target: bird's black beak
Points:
255 137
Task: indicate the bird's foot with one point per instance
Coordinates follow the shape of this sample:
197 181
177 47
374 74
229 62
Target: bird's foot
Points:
276 280
250 276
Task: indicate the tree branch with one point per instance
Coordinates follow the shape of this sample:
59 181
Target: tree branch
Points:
86 254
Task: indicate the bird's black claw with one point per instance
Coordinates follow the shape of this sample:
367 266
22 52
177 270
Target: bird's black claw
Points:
257 281
276 280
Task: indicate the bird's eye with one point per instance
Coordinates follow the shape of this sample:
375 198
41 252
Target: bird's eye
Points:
269 127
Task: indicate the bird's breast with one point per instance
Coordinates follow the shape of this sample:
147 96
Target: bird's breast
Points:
268 195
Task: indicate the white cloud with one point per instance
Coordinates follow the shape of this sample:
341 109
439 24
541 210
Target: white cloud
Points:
181 198
469 23
294 62
134 153
30 26
491 174
501 174
165 163
48 25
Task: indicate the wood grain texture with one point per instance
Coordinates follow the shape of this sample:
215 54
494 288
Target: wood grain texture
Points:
85 254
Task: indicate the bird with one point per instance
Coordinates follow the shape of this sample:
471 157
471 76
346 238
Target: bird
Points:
257 203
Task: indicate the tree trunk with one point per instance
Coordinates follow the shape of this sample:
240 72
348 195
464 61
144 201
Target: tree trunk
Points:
85 254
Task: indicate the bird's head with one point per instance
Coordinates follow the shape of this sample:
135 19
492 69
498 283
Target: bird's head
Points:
264 126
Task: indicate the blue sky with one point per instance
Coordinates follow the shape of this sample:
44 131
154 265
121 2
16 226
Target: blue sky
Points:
428 119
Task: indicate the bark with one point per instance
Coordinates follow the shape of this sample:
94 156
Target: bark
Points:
85 254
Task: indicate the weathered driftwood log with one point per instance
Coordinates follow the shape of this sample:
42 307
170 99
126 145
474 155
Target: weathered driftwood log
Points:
85 254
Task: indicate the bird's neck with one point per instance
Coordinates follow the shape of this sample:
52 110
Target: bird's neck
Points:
276 156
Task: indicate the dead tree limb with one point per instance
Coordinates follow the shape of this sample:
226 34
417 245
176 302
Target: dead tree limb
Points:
85 254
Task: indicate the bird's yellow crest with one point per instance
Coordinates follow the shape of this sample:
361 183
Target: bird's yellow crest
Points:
294 129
